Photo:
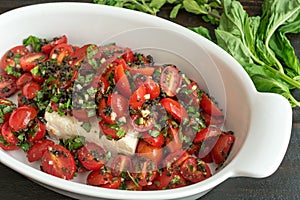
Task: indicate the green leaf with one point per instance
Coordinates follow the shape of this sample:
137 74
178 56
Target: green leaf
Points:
201 31
193 7
175 10
34 42
157 4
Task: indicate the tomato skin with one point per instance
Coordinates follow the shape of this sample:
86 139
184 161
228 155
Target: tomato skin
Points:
79 55
221 149
152 88
9 57
170 80
106 118
157 141
175 109
195 170
30 89
8 134
165 180
119 104
206 133
7 85
209 106
128 56
61 51
91 156
37 150
21 117
145 126
23 80
108 131
175 159
39 133
148 151
121 164
48 47
6 114
137 99
145 171
212 120
103 178
173 141
121 80
59 162
30 60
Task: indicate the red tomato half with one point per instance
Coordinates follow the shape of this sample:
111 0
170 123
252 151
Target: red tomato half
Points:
22 80
91 156
21 117
156 141
137 99
37 131
195 170
37 150
170 80
103 178
4 104
148 151
8 134
59 162
10 57
152 88
145 171
121 80
209 106
175 109
7 85
121 164
119 105
30 60
207 133
48 47
221 149
30 89
61 51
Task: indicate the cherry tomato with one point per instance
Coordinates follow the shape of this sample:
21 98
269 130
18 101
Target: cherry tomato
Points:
121 164
79 55
142 124
130 185
128 56
121 80
61 51
207 133
103 178
37 131
30 60
21 117
152 88
147 71
7 85
170 80
148 151
167 179
175 159
91 156
113 131
59 40
10 58
145 171
209 106
212 120
30 89
156 140
119 105
137 99
37 150
22 80
222 148
195 170
173 141
104 112
8 135
6 145
175 109
59 162
100 83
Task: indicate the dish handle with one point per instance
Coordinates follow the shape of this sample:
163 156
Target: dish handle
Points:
266 143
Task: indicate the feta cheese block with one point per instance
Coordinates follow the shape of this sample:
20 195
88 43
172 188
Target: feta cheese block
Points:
64 127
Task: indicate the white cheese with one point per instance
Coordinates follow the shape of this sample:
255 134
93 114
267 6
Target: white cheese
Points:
67 127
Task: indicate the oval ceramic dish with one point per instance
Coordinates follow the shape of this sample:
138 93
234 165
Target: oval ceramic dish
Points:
261 122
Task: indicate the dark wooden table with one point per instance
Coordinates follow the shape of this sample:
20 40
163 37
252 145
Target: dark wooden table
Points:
284 184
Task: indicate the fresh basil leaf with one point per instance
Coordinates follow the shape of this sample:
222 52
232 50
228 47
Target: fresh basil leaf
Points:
175 10
201 31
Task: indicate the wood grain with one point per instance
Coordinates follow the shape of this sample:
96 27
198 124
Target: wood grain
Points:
284 184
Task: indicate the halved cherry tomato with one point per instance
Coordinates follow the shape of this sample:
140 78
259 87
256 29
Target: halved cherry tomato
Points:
207 133
103 178
212 120
11 57
142 124
175 109
7 85
148 151
167 179
158 140
30 60
21 117
152 88
59 162
121 80
113 131
137 99
99 83
30 89
6 108
22 80
59 40
79 55
119 105
170 80
128 56
175 159
195 170
145 171
8 135
6 145
209 106
130 185
61 51
221 149
104 112
37 131
91 156
37 150
121 164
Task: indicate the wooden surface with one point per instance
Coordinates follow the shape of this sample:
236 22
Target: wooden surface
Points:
283 184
